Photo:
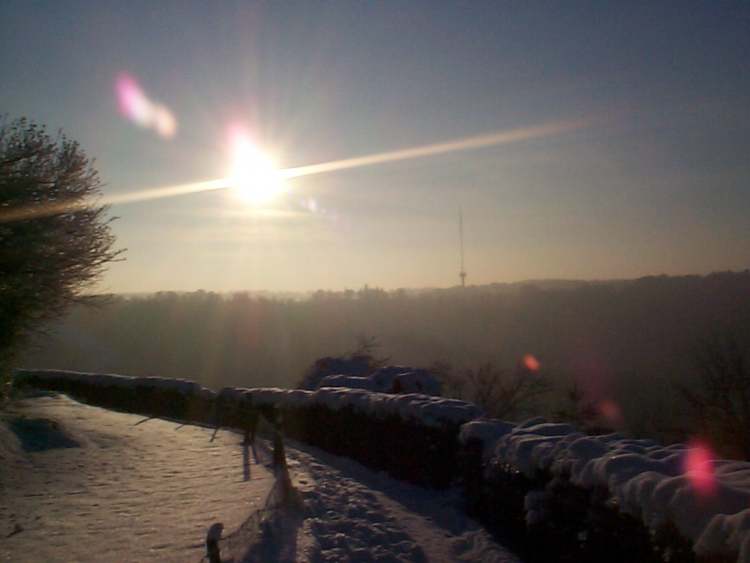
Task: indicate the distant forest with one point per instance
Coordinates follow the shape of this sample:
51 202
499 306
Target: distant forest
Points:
635 343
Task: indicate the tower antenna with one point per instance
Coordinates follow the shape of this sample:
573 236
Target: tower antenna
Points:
462 273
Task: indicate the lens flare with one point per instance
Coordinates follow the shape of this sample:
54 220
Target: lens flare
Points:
136 106
699 469
611 412
531 363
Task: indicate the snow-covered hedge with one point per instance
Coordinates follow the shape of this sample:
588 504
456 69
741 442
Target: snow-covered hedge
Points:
593 498
413 436
421 409
358 365
389 379
153 396
675 502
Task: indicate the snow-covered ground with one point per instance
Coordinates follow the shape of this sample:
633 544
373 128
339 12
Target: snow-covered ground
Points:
80 483
351 513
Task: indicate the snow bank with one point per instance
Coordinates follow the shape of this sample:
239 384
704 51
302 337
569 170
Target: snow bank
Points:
131 490
707 504
532 472
412 436
403 379
49 378
153 396
422 409
350 381
390 379
357 365
486 432
427 410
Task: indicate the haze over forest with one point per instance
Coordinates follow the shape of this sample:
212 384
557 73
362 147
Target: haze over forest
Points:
633 342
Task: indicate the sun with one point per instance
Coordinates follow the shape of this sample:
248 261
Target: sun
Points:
254 176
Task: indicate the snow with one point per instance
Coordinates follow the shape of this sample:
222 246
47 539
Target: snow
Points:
89 484
418 381
706 499
357 365
423 409
390 379
350 381
354 514
181 386
487 431
707 504
726 533
81 483
410 380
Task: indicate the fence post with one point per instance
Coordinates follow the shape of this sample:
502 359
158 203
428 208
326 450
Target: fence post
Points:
279 464
212 542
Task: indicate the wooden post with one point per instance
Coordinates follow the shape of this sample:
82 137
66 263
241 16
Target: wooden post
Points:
212 542
280 468
279 455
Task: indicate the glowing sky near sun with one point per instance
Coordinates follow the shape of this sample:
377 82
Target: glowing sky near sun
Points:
384 120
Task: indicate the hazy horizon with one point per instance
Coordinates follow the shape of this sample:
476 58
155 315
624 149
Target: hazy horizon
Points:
456 285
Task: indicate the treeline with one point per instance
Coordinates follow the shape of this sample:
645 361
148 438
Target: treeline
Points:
630 344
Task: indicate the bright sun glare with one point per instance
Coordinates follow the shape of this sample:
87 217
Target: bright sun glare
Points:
254 176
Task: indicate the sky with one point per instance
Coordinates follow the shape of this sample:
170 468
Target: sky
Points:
648 173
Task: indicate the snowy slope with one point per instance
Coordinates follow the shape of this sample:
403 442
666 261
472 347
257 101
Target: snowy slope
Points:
80 483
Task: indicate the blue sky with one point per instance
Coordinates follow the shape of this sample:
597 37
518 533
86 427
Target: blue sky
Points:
657 182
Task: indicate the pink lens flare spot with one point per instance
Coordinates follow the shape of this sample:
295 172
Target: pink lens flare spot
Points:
699 469
131 99
611 412
135 105
531 363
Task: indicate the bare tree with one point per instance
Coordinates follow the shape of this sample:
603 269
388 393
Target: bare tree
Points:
720 401
575 408
55 240
367 347
501 393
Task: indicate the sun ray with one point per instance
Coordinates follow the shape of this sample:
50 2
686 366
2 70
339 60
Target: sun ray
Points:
467 143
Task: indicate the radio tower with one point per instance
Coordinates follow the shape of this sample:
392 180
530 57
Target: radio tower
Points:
462 273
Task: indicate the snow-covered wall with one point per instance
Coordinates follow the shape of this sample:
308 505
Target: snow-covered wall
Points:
154 396
543 482
412 436
389 379
690 505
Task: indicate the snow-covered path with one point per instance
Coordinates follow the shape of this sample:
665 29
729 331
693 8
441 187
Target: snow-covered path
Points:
351 513
80 483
